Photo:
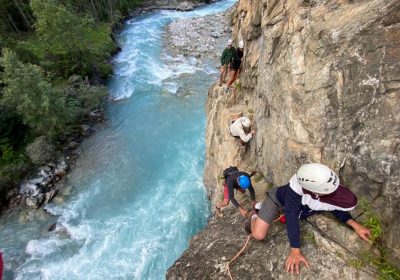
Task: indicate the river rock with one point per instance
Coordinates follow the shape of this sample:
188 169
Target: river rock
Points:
34 201
52 227
97 115
11 194
73 144
45 168
85 130
48 196
62 165
204 37
29 189
14 201
38 181
185 6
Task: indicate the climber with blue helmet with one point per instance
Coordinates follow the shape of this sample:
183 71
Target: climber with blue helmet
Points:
235 180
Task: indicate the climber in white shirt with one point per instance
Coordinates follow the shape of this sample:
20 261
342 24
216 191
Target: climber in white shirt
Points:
237 129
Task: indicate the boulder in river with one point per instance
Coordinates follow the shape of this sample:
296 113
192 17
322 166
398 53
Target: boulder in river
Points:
85 130
185 6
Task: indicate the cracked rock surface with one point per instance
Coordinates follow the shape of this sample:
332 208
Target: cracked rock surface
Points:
320 81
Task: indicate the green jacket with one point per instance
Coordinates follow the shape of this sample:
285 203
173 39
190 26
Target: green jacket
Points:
227 56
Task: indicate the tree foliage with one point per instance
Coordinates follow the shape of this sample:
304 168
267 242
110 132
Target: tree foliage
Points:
42 44
26 91
69 42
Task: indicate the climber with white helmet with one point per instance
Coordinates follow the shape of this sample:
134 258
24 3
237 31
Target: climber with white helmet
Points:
226 58
236 64
237 129
315 188
235 180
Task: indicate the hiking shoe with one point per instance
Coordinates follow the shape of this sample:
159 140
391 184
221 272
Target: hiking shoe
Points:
247 225
226 89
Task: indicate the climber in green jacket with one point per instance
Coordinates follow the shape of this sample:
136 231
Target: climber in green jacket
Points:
226 58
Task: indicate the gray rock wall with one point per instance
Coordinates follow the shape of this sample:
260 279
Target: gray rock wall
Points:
322 81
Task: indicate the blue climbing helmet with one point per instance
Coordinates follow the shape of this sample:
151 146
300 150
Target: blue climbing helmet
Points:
244 181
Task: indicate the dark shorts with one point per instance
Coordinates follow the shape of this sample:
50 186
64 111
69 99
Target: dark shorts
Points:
236 65
270 208
226 191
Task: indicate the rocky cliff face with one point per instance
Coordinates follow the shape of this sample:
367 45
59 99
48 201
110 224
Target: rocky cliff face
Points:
321 80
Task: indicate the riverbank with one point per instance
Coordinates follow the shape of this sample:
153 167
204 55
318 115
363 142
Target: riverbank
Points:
203 38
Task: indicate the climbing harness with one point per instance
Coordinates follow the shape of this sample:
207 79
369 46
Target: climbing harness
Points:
281 218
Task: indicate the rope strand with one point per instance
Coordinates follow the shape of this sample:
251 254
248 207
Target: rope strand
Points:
238 254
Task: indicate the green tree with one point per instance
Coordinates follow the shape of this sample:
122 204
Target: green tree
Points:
27 92
70 41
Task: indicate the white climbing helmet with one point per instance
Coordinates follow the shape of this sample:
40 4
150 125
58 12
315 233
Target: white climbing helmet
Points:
230 42
241 44
246 122
318 178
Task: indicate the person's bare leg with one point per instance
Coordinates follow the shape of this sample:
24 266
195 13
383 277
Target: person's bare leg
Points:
236 75
233 74
222 70
227 72
259 228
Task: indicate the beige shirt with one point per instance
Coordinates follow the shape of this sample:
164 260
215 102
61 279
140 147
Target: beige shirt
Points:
236 129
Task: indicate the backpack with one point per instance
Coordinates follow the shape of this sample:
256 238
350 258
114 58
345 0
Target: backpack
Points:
228 171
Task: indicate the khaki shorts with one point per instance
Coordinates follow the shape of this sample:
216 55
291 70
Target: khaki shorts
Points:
270 208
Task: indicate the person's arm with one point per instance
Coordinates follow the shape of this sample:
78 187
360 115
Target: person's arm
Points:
292 213
346 218
223 57
362 231
294 260
252 195
245 137
232 193
342 216
232 198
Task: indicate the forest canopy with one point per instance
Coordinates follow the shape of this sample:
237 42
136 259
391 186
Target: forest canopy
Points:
43 43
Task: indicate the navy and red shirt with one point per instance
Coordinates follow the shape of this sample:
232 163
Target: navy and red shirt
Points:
299 204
